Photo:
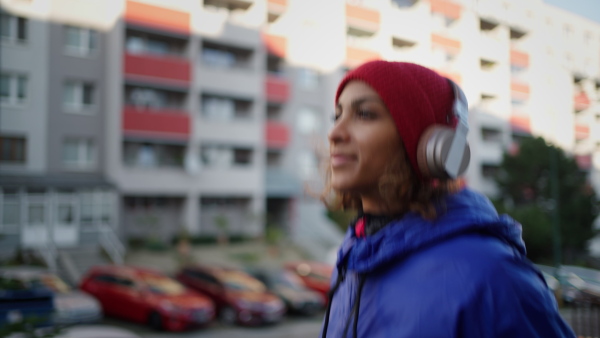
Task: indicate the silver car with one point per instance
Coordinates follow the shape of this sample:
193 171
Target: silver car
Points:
70 306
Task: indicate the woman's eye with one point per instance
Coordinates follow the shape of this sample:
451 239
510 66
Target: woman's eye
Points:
336 116
365 114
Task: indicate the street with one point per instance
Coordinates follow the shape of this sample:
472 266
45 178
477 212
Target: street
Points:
290 327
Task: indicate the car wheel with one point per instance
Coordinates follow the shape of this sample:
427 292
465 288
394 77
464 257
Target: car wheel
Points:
227 315
155 321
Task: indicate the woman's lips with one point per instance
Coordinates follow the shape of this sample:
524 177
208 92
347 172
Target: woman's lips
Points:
340 160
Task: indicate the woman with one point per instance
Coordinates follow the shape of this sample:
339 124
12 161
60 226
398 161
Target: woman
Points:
424 258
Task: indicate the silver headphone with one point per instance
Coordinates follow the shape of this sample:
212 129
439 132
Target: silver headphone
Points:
443 152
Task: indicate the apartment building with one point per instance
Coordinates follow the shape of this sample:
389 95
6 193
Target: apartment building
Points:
211 116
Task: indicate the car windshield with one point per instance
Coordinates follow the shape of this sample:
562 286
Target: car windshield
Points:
240 282
54 283
163 285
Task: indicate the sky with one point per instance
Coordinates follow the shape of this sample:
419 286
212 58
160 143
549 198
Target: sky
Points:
587 8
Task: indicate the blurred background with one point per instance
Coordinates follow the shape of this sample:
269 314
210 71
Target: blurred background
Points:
162 133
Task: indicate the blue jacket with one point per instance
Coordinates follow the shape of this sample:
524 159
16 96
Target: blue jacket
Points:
464 275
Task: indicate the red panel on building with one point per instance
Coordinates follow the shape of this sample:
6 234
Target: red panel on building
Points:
277 89
581 101
582 131
169 68
157 17
166 123
277 134
451 45
278 2
448 8
520 122
276 45
362 13
519 58
520 90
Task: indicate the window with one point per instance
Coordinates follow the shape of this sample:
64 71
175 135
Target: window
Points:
221 156
149 155
12 149
11 209
149 98
308 121
143 43
218 55
78 96
487 25
80 41
489 171
96 206
13 28
79 153
308 78
491 134
218 108
13 89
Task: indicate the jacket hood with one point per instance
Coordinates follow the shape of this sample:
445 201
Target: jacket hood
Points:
464 212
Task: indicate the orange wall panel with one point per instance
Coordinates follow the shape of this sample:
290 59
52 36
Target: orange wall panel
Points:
448 8
362 13
519 58
276 45
355 56
521 122
521 88
445 42
158 17
278 2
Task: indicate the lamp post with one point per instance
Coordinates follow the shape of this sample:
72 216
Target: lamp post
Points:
556 209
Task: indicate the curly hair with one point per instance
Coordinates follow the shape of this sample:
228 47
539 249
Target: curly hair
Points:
401 189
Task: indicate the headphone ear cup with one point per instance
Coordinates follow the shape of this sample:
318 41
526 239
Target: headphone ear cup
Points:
432 152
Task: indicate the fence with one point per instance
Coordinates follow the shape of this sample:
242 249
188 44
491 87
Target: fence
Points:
584 318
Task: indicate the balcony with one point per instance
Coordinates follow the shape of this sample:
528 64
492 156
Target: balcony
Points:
280 183
277 135
230 5
520 123
276 45
159 123
275 8
582 132
581 101
161 69
362 19
519 59
519 90
447 8
356 56
156 17
277 89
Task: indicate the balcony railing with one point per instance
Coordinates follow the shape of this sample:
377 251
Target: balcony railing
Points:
363 19
449 9
520 122
451 45
277 89
519 89
161 123
581 101
157 17
277 135
158 69
582 132
519 58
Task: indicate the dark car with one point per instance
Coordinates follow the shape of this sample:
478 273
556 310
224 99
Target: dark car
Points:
24 303
239 297
147 296
315 275
290 288
70 306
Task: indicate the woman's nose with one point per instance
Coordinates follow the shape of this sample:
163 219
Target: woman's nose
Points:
339 132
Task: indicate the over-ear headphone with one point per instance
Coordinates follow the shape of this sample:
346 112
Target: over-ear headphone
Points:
443 152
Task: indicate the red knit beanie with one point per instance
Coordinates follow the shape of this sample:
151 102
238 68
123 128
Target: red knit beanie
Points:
416 97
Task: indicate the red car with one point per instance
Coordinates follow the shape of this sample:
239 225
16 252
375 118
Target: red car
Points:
315 275
239 297
147 296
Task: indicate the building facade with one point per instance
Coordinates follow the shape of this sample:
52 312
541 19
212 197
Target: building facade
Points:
157 117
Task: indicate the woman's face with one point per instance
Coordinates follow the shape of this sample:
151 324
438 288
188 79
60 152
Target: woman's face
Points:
363 140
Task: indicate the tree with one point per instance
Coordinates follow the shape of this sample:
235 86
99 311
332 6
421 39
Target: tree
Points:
525 184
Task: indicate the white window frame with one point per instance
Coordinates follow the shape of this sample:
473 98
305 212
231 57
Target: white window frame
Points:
83 146
13 98
13 27
85 38
78 106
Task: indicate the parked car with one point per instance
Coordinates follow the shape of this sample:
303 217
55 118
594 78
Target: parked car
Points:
315 275
147 296
24 304
96 331
239 297
291 289
70 306
581 284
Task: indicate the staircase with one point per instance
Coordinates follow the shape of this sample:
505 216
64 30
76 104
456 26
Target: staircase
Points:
75 262
316 233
